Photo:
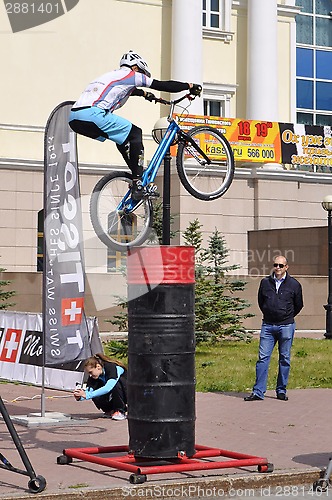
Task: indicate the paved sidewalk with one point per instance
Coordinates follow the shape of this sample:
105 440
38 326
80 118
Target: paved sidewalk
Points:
295 436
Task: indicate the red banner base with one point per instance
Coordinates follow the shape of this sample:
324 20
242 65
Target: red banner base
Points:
140 468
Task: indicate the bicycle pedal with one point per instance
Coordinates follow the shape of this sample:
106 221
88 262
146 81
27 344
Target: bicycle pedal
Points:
151 191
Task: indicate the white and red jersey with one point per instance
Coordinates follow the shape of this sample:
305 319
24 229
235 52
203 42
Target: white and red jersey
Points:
111 90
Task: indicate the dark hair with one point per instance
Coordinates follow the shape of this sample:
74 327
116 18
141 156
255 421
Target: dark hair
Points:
100 359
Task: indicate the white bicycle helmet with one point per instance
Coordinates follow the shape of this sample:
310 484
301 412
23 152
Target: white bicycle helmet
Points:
131 59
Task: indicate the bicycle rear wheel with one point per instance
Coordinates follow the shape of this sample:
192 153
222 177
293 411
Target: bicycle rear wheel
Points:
118 229
205 163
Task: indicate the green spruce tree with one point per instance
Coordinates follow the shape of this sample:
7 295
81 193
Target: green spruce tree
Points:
193 237
219 311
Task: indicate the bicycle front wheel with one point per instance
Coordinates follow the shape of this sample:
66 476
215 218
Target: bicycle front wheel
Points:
205 163
118 229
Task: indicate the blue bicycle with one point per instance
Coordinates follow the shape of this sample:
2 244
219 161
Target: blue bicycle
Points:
205 165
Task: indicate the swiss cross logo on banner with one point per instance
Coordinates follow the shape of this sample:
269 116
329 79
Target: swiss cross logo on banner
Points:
71 311
11 345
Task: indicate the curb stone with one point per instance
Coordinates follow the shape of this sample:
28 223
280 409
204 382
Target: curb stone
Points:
164 490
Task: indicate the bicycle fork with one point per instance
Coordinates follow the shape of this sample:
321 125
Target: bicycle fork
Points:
194 149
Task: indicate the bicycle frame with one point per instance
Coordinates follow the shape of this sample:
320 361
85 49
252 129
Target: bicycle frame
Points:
127 204
149 175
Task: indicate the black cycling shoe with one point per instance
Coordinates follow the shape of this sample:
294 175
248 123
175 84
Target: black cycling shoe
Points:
138 191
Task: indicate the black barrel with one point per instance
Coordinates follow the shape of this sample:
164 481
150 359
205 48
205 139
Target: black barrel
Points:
161 352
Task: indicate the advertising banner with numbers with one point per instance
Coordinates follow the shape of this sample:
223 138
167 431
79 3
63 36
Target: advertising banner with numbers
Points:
21 352
265 142
65 323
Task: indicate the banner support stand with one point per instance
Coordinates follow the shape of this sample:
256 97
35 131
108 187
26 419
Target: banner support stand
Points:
42 397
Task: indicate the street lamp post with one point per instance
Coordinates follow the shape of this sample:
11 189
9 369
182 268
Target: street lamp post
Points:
327 205
158 132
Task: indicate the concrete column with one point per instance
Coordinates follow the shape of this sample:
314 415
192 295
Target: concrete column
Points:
187 44
262 61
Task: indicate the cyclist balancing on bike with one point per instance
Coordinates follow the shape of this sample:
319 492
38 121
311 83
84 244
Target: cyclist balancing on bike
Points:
92 114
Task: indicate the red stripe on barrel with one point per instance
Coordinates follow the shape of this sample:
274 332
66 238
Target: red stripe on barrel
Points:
161 265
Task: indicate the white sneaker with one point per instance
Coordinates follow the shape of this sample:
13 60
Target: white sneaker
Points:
118 415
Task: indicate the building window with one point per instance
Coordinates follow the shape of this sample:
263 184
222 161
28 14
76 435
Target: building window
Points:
305 94
115 260
213 108
212 14
217 99
314 62
216 19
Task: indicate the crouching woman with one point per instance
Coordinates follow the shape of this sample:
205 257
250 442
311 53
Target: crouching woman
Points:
106 386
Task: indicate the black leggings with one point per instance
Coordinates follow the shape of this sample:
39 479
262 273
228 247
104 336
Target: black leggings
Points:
116 400
132 151
132 148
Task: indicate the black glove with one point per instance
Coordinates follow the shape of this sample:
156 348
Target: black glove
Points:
195 89
149 96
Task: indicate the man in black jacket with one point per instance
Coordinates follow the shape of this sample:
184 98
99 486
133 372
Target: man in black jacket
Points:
280 300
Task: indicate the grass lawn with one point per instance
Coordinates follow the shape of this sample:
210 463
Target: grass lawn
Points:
230 366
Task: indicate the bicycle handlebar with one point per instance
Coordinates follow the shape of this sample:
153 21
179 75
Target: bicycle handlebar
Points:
188 96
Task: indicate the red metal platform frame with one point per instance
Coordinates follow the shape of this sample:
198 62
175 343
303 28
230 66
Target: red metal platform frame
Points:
128 462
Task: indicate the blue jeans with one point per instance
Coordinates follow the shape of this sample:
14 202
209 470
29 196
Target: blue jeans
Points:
270 335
